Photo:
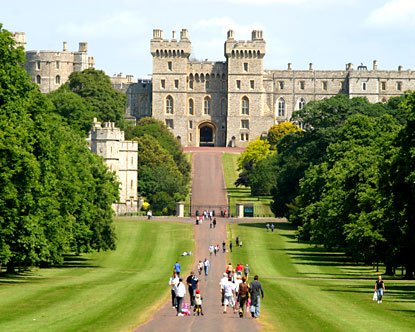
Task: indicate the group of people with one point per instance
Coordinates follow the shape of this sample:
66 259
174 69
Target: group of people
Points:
179 291
238 294
270 227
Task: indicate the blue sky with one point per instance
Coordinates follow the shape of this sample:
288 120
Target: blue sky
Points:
328 33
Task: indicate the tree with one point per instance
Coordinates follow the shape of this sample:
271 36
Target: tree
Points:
255 151
56 195
94 86
278 131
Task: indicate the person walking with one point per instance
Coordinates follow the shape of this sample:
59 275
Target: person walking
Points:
214 222
229 294
272 227
223 246
243 296
198 303
230 246
176 268
206 265
246 271
180 291
174 280
221 284
256 293
200 267
379 288
192 282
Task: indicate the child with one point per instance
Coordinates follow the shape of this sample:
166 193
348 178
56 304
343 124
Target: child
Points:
198 303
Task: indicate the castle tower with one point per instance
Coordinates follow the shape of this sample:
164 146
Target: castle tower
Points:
170 63
120 156
245 88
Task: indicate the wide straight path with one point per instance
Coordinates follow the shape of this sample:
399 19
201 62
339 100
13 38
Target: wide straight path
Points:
208 189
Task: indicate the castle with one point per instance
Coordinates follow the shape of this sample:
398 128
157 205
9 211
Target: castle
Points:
232 102
221 103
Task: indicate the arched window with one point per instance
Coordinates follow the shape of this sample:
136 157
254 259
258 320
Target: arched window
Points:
301 103
191 81
281 107
207 105
191 107
245 105
57 79
38 79
169 105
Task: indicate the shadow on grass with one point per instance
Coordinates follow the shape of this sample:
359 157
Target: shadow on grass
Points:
77 261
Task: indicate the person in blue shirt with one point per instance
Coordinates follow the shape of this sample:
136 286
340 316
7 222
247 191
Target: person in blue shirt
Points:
177 268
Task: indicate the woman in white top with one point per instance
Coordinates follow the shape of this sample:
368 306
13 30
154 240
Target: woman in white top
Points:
174 279
180 291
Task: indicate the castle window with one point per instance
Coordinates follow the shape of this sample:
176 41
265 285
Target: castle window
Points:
57 79
58 64
169 105
281 85
252 84
399 86
191 83
383 85
206 106
170 66
37 65
190 137
163 84
207 84
38 79
302 85
238 84
245 124
244 137
176 84
169 123
191 107
190 124
281 107
364 86
301 103
245 106
324 85
245 66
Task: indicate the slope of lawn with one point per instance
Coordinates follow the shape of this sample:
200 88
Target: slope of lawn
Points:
242 194
310 289
106 291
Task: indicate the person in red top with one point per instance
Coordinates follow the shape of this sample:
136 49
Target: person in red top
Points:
239 269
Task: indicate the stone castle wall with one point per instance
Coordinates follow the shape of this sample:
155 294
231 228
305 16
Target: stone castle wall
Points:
245 99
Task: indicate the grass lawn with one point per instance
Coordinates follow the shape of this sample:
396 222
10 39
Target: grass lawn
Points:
242 194
309 289
106 291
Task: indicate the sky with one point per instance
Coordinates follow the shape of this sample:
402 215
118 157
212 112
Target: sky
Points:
327 33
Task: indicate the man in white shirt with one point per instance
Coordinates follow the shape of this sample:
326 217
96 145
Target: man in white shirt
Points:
174 280
221 283
228 293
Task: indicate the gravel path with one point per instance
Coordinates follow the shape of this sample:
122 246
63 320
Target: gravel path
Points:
208 188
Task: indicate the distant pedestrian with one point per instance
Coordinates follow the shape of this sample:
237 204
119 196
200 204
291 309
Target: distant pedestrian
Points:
267 226
177 268
200 267
180 291
216 249
149 214
206 265
224 246
229 295
246 271
257 293
379 288
230 246
237 241
198 303
174 280
211 250
214 222
272 227
221 284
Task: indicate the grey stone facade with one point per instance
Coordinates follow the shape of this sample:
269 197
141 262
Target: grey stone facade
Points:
51 69
232 102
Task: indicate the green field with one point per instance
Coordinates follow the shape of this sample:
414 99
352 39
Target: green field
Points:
107 291
242 194
310 289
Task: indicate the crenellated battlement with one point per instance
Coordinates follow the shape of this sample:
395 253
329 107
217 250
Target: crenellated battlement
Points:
165 48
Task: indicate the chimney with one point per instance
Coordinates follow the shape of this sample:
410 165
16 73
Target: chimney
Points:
230 34
173 35
290 66
400 68
183 34
375 64
65 46
310 66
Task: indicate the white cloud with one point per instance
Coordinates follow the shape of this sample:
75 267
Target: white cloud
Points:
395 13
309 3
115 25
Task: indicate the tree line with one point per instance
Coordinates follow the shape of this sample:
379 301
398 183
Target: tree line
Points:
347 181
